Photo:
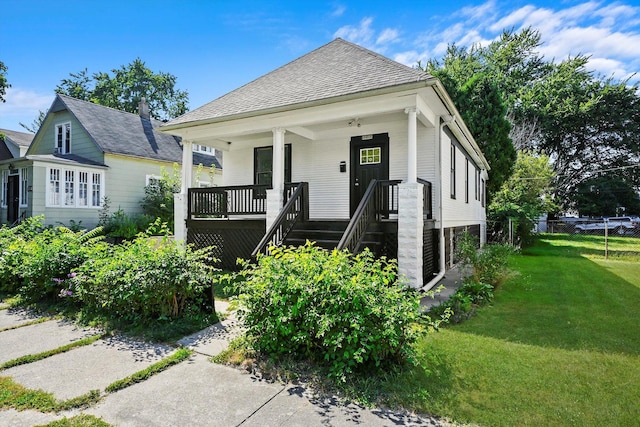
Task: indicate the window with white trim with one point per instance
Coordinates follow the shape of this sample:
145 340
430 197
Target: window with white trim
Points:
83 188
24 187
370 156
5 183
96 189
466 180
70 187
62 143
452 179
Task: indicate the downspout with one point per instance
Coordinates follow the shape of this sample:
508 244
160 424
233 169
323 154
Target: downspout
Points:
446 120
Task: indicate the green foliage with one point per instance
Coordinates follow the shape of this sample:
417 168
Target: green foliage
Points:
158 200
180 355
49 259
126 86
346 312
82 420
603 196
4 84
144 279
589 125
12 245
525 196
487 265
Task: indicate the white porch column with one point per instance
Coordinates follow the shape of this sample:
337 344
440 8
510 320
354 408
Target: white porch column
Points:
180 200
410 232
412 145
275 196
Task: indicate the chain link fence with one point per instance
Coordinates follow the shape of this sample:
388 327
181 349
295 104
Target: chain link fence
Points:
613 228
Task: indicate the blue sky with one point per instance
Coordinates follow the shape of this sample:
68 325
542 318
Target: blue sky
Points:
213 47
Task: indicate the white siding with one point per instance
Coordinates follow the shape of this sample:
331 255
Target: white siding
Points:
457 212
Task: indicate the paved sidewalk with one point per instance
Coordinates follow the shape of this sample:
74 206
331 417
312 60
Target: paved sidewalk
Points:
195 392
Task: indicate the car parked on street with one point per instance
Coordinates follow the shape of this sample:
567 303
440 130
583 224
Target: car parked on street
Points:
620 225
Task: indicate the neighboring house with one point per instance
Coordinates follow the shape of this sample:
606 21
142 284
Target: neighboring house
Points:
344 147
84 152
14 144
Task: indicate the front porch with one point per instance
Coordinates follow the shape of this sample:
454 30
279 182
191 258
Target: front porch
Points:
233 221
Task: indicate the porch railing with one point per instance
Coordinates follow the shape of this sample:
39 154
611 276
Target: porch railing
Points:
428 200
295 209
221 202
379 201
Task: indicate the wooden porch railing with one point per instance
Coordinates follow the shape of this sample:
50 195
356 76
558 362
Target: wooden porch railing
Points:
379 201
295 209
428 202
220 202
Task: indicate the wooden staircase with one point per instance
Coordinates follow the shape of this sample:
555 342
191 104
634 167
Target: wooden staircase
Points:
327 234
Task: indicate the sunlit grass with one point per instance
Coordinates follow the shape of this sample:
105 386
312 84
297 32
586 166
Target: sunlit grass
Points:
560 345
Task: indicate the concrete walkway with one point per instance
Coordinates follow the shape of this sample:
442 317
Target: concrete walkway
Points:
195 392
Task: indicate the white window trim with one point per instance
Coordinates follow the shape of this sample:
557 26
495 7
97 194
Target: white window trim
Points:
4 181
76 188
62 150
24 187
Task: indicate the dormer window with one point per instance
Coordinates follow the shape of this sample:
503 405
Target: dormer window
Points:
63 139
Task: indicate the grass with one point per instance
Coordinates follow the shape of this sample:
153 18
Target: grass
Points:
177 357
558 346
82 420
14 395
30 358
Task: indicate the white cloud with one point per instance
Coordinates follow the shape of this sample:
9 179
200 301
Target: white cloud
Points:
338 11
23 105
362 34
389 35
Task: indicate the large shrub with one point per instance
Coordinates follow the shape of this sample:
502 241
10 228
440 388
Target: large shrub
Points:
144 279
12 251
50 257
487 265
329 307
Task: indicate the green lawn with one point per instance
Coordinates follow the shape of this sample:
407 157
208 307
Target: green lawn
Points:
560 345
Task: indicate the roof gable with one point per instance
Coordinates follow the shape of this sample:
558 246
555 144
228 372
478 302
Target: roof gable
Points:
336 69
119 132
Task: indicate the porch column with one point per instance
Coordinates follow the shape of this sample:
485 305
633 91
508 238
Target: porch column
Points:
410 232
180 201
275 196
412 142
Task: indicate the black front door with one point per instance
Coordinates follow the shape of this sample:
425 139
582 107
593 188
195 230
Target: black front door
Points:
369 160
13 198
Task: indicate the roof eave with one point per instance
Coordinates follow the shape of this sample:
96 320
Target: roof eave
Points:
300 105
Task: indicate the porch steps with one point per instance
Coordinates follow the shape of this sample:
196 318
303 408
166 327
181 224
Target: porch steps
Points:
327 234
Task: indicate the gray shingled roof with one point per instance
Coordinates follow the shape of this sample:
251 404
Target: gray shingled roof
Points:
119 132
22 139
336 69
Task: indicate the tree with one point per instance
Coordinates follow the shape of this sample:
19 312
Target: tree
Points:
585 123
482 108
606 196
124 88
37 122
4 84
526 195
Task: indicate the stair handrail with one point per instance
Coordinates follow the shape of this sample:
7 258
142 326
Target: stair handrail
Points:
295 208
360 220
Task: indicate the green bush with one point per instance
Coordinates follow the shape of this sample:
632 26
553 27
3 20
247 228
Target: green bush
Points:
488 265
12 251
50 257
348 312
144 279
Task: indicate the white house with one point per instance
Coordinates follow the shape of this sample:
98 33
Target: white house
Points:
342 146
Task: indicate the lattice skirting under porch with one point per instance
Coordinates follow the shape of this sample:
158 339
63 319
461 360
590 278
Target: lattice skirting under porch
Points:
228 239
